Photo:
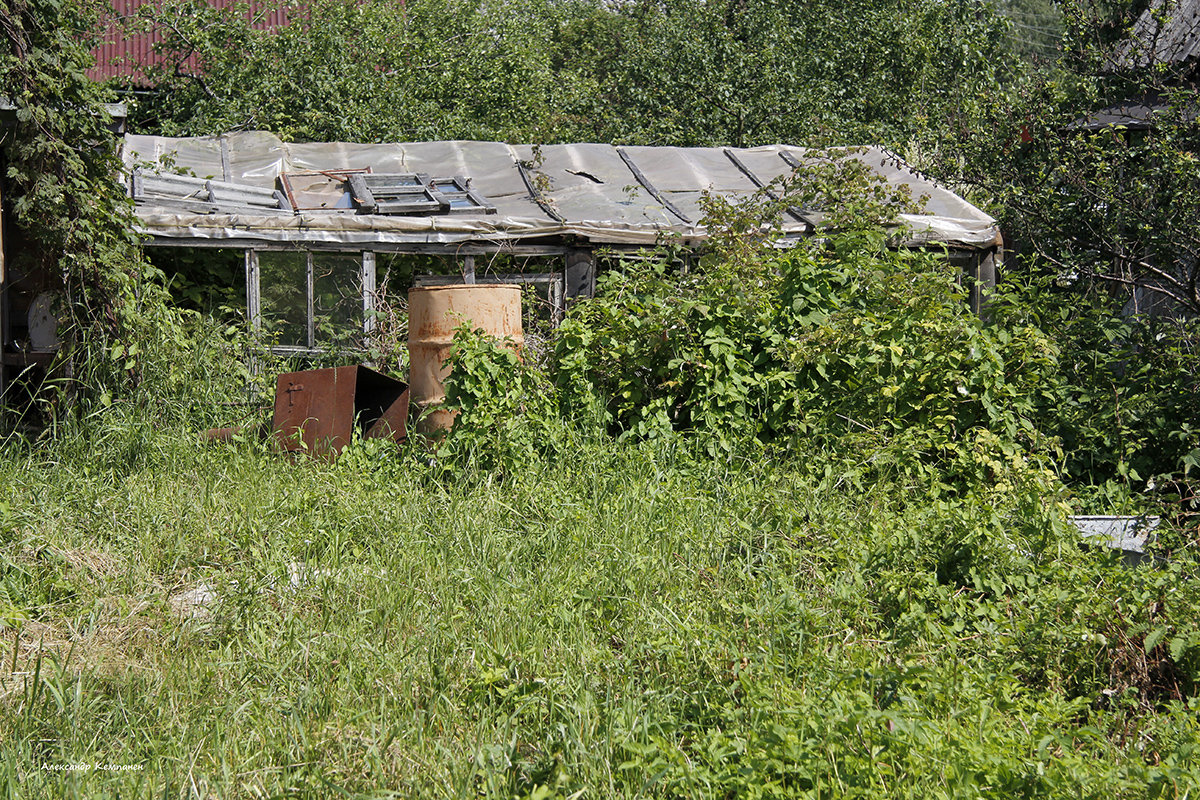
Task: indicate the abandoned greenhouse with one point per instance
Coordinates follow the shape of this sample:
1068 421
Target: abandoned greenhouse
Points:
309 222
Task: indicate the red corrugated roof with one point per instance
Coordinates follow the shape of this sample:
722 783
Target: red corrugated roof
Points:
123 55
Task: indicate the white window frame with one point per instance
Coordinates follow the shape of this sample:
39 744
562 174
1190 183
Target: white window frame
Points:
254 296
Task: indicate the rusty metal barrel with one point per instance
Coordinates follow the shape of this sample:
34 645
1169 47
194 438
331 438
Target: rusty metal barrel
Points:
434 312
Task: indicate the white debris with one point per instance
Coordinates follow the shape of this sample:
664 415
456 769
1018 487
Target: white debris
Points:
196 602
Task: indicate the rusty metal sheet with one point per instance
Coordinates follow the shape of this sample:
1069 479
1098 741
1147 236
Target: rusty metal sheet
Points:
317 411
326 189
393 424
314 409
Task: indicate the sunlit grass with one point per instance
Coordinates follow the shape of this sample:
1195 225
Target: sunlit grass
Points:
231 623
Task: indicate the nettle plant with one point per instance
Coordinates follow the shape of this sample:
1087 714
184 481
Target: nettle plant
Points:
844 341
843 334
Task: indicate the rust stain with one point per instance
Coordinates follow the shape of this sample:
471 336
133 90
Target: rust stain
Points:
435 312
318 410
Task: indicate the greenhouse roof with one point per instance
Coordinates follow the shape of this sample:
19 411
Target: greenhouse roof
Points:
251 188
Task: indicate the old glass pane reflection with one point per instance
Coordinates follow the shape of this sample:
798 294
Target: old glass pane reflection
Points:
283 287
337 298
311 301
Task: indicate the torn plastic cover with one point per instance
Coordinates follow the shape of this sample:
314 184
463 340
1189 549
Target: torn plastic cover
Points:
588 190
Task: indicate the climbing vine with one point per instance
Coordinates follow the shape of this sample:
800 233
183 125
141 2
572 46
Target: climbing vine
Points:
68 217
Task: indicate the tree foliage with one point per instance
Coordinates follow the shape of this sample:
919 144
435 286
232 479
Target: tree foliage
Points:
370 71
1101 214
670 72
69 222
754 72
1094 214
1036 28
1090 201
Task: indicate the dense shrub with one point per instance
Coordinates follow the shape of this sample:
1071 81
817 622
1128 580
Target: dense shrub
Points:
830 341
1124 395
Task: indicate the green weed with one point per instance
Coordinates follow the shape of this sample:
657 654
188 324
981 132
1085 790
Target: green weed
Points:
634 621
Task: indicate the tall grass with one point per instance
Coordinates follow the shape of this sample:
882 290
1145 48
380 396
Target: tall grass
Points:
226 622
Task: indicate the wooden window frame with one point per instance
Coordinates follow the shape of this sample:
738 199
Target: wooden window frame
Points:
415 194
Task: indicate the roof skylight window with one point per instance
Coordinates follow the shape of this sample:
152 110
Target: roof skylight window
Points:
416 194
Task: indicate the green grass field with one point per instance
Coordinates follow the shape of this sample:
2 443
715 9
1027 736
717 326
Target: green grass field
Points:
219 621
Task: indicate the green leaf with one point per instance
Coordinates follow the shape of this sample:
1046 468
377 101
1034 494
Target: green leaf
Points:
1154 637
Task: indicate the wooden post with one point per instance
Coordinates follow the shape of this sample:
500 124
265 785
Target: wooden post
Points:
253 304
469 269
310 280
558 302
985 278
368 291
580 274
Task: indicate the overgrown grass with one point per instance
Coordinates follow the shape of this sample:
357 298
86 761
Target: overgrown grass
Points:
630 622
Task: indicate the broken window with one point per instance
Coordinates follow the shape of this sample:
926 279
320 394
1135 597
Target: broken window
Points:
306 302
320 191
412 194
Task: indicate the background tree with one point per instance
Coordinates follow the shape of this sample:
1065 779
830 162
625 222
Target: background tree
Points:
746 72
672 72
1090 164
1036 29
371 71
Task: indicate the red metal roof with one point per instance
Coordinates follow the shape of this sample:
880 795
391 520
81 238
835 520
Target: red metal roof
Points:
123 55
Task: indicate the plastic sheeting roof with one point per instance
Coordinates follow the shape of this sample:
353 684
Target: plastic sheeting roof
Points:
592 192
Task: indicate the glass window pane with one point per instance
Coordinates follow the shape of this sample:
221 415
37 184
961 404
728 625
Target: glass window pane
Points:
337 298
283 288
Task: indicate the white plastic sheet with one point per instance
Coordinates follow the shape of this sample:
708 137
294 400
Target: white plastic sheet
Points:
597 195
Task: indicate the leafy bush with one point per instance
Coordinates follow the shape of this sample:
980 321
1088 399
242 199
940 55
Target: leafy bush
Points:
507 414
831 340
73 219
1122 399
